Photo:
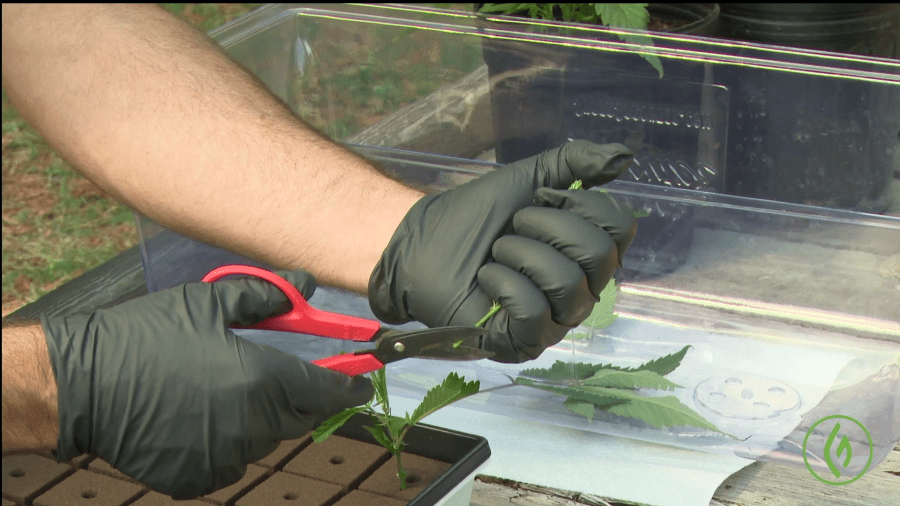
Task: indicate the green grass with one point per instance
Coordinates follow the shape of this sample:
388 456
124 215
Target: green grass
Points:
55 226
209 16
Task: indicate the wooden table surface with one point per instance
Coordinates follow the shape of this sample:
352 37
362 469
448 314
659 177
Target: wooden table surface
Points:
460 113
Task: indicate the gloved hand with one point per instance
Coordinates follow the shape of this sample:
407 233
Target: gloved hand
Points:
518 236
163 391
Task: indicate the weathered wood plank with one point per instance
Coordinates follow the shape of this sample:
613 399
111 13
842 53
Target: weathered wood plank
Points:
759 484
782 485
491 491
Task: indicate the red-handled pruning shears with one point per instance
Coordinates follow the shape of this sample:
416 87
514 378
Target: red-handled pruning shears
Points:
391 345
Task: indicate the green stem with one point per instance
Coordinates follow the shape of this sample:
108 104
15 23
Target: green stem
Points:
494 309
401 472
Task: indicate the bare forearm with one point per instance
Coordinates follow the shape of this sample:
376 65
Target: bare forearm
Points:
158 116
30 418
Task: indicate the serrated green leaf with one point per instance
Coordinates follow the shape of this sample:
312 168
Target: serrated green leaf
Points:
602 314
600 397
501 8
625 15
558 371
380 436
578 12
612 378
664 365
583 408
328 427
613 389
644 40
633 16
395 425
379 384
661 412
451 390
568 371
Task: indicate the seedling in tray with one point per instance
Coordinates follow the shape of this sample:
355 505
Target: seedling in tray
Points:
389 430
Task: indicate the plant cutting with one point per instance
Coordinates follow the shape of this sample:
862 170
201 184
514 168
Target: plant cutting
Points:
602 314
613 389
390 430
588 387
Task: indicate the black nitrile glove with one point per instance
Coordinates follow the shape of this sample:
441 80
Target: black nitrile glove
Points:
517 236
163 391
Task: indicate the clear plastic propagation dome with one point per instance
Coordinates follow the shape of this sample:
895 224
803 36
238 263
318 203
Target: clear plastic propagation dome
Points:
771 242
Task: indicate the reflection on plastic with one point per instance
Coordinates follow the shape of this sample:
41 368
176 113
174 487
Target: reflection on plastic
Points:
747 397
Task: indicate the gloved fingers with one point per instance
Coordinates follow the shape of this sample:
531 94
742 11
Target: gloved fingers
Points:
320 393
613 215
525 321
260 447
560 278
246 301
593 164
590 247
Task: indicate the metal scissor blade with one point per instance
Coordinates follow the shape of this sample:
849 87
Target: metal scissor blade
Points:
449 352
441 343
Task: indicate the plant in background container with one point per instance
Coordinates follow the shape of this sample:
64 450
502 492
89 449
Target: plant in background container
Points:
666 112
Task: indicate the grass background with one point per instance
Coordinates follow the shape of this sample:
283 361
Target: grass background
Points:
57 224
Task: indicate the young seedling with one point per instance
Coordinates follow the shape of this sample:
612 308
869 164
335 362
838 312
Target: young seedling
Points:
389 430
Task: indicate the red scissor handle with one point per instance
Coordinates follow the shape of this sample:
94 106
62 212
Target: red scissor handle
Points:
302 318
351 363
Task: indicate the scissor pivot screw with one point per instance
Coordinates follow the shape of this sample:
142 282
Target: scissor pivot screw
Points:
398 347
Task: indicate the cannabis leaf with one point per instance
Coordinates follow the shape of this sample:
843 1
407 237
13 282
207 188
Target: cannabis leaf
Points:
613 389
583 408
612 378
389 430
566 370
379 435
328 427
602 315
664 365
665 411
600 397
379 384
626 15
451 390
623 15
